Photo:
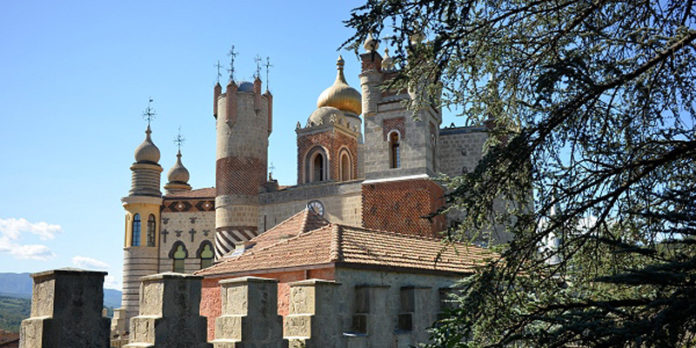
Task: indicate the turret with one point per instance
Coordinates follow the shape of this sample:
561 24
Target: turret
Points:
241 162
178 177
142 206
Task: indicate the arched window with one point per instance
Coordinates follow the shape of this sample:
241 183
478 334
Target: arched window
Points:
346 169
151 224
179 254
394 151
205 253
318 168
316 165
135 236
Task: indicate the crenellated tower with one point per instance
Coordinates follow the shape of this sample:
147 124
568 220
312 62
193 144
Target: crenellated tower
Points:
244 117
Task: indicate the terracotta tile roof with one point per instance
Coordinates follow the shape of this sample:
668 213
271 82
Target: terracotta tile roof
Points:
304 221
208 192
347 245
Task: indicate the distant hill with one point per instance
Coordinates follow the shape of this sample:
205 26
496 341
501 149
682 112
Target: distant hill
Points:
12 311
19 285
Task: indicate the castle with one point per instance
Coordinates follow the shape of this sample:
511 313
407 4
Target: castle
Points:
365 175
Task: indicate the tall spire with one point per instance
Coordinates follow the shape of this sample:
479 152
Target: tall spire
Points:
258 61
149 114
218 66
233 54
268 67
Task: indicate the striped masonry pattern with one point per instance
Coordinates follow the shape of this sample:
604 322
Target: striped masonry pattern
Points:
227 238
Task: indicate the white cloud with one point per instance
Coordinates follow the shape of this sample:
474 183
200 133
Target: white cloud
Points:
110 282
10 231
89 263
12 228
30 251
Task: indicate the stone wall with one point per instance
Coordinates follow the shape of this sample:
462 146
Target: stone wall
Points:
342 203
190 228
460 149
361 308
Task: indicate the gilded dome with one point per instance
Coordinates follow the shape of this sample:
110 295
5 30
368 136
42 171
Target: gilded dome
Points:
147 151
178 173
341 95
323 115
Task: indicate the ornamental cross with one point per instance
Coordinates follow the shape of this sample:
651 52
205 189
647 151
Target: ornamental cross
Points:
218 66
149 113
232 55
258 61
268 67
179 139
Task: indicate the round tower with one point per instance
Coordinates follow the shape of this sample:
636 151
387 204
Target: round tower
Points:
243 127
142 218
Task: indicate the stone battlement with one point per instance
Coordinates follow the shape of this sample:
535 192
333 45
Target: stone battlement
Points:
66 311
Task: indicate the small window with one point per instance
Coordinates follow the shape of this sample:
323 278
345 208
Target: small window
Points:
346 168
206 254
135 236
318 168
151 224
394 150
179 258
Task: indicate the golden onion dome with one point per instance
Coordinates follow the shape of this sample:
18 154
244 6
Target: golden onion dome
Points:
341 95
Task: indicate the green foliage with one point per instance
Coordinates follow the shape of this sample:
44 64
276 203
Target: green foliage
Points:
591 107
12 311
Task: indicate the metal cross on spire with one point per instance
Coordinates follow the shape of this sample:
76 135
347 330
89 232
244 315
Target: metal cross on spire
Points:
268 67
218 66
179 140
258 61
232 55
149 113
270 171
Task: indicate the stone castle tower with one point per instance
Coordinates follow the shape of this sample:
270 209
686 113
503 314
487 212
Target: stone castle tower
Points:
363 160
243 120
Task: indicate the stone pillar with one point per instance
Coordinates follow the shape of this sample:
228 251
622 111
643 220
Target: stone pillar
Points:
169 313
66 310
313 319
249 314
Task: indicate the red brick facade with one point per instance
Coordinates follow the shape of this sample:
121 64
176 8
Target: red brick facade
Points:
396 123
400 206
239 176
333 141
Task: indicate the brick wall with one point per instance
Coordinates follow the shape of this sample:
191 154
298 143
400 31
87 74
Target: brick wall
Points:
398 206
333 141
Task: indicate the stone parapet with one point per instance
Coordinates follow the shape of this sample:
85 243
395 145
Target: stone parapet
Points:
169 313
313 319
249 314
66 310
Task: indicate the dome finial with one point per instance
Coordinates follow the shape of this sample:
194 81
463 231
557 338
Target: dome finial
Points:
178 176
147 151
340 95
370 43
387 61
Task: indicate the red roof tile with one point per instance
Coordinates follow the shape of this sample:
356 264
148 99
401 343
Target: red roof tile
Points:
294 243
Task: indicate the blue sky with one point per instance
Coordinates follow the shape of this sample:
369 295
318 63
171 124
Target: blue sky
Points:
75 77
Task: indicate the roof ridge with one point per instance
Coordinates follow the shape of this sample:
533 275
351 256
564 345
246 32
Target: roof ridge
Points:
336 252
282 222
303 225
287 240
